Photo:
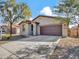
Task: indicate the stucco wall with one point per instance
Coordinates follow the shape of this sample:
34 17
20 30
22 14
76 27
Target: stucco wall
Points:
18 31
47 21
34 29
38 29
26 32
64 29
74 32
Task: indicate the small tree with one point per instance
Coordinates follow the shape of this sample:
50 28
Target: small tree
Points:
70 8
13 12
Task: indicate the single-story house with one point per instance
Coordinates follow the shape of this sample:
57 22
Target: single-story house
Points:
45 25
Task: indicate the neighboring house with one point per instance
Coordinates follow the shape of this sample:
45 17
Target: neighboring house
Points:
16 29
5 29
45 25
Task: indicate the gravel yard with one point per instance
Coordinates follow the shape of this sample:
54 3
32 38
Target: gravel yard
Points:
68 48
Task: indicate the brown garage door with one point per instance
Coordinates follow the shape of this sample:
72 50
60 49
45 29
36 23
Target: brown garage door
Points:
55 30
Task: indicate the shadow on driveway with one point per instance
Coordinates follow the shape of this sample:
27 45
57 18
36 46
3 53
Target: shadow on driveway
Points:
14 38
41 38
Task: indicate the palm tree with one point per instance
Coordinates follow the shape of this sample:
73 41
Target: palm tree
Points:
13 12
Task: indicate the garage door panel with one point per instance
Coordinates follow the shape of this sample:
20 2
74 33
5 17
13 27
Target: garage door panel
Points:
51 30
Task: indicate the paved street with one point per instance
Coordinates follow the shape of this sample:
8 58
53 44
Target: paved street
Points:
34 45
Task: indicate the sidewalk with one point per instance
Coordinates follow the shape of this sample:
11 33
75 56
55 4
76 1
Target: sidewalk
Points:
4 53
10 48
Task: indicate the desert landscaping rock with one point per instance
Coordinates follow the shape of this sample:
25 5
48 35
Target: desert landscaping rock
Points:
68 48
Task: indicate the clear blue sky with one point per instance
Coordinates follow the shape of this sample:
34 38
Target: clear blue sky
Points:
37 5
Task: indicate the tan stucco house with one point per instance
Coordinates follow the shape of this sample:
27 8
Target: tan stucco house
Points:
45 25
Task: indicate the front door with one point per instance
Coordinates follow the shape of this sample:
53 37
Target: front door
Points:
31 29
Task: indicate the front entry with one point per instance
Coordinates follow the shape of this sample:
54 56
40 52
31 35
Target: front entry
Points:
31 29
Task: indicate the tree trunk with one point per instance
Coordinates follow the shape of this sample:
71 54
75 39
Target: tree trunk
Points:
78 31
10 29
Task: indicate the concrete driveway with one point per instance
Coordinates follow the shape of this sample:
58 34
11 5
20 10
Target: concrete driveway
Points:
41 38
31 46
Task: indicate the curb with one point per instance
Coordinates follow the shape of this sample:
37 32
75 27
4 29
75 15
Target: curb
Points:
55 43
